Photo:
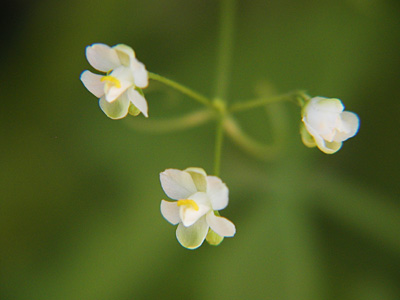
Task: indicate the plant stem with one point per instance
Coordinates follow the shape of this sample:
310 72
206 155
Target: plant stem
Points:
296 96
179 87
184 122
228 8
219 138
261 151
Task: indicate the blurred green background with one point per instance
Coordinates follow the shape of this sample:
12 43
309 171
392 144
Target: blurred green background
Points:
80 193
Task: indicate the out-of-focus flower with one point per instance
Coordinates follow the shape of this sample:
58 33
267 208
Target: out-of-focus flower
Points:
326 125
199 197
119 89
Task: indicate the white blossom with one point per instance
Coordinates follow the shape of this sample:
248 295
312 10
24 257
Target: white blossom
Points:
198 197
118 89
326 125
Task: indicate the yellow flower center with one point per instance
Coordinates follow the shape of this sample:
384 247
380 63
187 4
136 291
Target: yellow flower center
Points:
189 203
111 80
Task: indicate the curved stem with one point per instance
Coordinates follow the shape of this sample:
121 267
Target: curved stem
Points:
296 96
228 8
174 124
257 149
179 87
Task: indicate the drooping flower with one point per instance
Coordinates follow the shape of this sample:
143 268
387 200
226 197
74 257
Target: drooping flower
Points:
119 89
199 198
326 125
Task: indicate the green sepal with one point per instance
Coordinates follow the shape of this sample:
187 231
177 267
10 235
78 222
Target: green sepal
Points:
133 110
140 91
199 178
303 99
213 238
306 137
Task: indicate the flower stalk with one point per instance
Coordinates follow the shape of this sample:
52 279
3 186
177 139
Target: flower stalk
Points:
219 135
225 47
181 88
295 96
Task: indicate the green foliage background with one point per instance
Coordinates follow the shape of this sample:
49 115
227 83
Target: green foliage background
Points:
80 193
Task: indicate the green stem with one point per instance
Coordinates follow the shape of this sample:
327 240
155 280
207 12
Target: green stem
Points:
187 121
226 32
179 87
296 96
228 8
262 151
219 137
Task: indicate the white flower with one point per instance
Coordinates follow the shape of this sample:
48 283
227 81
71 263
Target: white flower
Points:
198 197
119 88
326 125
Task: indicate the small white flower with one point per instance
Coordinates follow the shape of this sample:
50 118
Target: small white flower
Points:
326 125
119 88
198 197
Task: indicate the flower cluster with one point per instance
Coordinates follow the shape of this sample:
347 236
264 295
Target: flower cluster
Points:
119 89
198 197
326 125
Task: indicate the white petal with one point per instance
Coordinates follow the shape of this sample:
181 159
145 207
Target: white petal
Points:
192 237
177 184
199 178
220 225
125 54
323 145
93 83
138 100
189 215
322 104
124 76
351 123
324 123
196 170
102 57
140 74
323 115
117 109
330 147
218 192
170 211
327 147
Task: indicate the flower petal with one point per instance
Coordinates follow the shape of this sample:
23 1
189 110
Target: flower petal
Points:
323 104
140 74
351 123
323 145
330 147
102 57
170 211
220 225
125 54
190 215
93 83
327 147
193 236
177 184
124 76
199 178
218 192
138 100
117 109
